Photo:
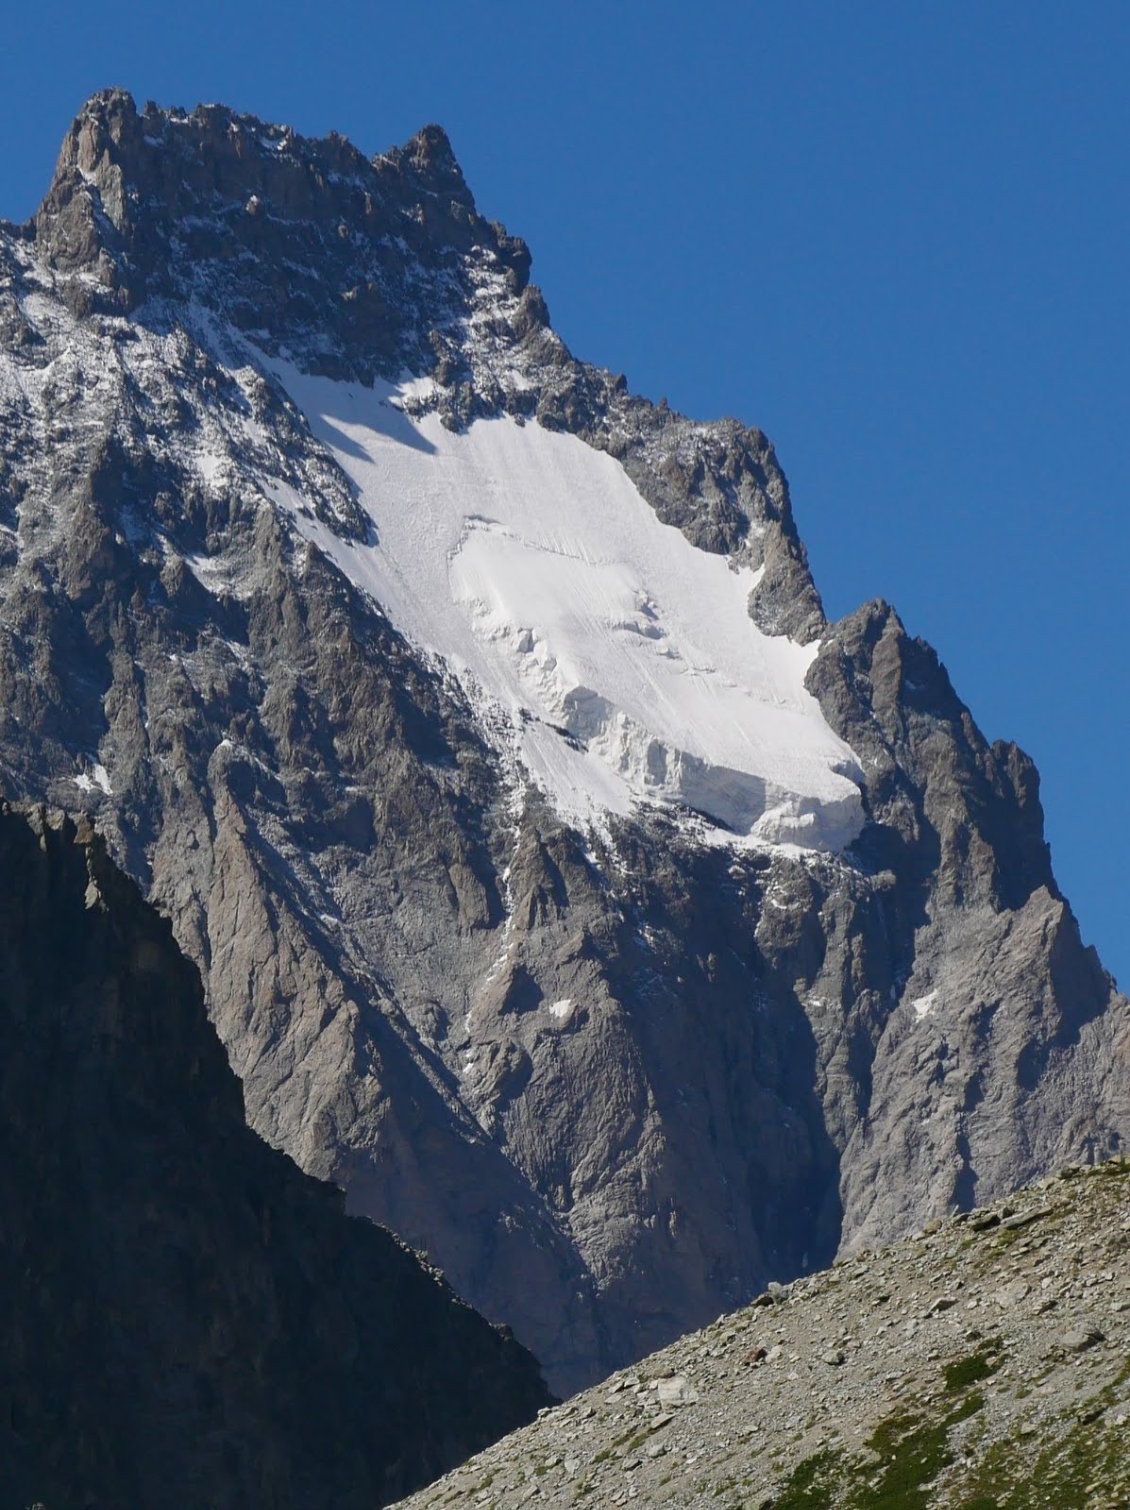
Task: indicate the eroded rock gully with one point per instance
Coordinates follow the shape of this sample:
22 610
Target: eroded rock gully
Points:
613 1081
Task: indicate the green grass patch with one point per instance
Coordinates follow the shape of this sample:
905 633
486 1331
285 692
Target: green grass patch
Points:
911 1450
1057 1475
962 1373
914 1452
812 1483
1010 1235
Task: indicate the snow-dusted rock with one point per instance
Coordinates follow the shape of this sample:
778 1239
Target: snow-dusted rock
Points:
415 656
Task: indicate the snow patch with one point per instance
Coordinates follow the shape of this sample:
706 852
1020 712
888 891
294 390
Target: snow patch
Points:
97 779
211 464
624 657
218 577
563 1010
923 1006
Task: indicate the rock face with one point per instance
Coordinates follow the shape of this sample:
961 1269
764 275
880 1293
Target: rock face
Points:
980 1365
187 1320
612 1075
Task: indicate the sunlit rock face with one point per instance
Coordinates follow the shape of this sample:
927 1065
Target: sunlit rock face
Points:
564 885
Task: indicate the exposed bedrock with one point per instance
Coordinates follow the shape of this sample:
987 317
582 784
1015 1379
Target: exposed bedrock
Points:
611 1079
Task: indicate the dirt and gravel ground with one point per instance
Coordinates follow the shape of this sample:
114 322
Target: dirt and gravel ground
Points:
983 1364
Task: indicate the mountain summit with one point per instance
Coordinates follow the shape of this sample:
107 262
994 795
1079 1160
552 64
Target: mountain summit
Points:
565 886
345 262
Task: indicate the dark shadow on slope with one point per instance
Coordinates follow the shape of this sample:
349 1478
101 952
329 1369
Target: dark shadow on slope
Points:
377 415
731 1064
185 1319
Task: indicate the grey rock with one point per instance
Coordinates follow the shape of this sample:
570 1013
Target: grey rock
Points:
985 1223
1079 1339
1012 1294
1025 1218
677 1390
745 1089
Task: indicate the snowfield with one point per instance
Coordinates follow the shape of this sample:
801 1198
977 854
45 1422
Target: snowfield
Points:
624 658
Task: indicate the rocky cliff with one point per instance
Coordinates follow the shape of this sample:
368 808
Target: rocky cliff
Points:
614 1011
185 1318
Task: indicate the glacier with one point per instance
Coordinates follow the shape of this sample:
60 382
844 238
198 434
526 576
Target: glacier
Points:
623 658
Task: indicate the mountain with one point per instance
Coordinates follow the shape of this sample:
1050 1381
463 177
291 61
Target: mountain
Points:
981 1365
565 887
188 1320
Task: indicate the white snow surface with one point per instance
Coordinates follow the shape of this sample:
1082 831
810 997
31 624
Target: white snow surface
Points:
924 1005
97 780
624 658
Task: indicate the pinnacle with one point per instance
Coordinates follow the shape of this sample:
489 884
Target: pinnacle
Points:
430 150
430 158
104 100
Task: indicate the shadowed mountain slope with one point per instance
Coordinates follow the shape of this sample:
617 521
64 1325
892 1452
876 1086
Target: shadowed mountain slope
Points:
186 1319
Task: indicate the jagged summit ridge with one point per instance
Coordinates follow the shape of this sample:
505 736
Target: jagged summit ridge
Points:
356 268
611 1078
161 204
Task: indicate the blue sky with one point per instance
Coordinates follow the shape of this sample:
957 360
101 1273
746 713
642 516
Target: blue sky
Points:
895 235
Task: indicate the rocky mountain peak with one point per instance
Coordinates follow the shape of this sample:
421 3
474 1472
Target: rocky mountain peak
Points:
357 269
346 263
430 156
616 1013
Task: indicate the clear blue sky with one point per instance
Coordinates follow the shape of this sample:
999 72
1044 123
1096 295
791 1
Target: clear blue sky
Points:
893 234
